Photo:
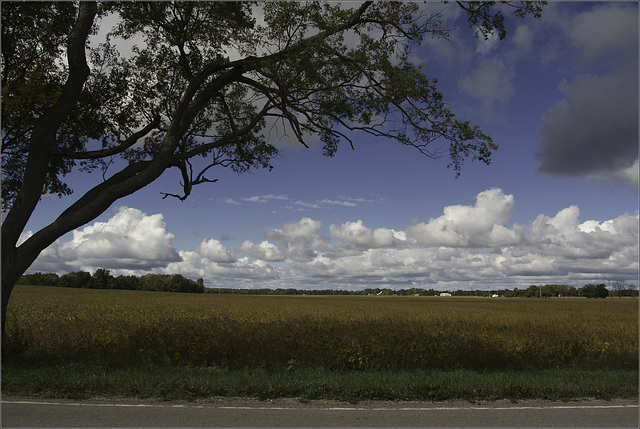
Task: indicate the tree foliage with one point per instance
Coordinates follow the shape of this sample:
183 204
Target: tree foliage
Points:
593 291
208 84
102 279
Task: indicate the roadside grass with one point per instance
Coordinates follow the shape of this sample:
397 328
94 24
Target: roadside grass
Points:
51 378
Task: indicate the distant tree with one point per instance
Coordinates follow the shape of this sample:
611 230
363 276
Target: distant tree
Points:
533 291
632 290
199 92
178 283
101 279
601 291
125 282
39 279
152 282
593 291
76 279
622 288
618 287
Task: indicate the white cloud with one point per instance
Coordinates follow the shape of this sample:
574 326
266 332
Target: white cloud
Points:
130 239
564 236
231 201
215 251
241 273
338 203
265 198
468 246
296 238
305 229
265 251
482 225
306 205
355 233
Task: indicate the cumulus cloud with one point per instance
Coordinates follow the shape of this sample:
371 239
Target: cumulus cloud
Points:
131 239
265 251
355 233
481 225
594 130
304 229
296 238
564 236
468 246
242 273
215 251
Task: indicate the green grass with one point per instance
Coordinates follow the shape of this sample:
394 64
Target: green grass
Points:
49 378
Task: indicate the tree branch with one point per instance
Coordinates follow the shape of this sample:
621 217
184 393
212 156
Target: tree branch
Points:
224 140
114 150
43 136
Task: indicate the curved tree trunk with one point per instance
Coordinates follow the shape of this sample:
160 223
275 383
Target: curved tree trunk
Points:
41 145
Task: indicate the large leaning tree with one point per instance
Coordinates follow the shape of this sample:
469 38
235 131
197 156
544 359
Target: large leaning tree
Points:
202 86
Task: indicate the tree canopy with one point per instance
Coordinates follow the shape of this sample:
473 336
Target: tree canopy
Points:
208 84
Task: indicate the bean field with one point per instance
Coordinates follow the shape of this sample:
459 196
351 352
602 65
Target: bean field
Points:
334 332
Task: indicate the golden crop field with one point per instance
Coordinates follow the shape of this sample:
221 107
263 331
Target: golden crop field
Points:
338 332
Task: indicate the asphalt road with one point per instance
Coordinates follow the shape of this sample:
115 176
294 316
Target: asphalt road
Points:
17 412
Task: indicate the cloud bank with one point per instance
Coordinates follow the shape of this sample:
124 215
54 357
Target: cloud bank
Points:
468 246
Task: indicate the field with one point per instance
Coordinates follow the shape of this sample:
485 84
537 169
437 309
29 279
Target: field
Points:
337 333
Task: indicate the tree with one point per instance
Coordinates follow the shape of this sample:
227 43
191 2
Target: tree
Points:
76 279
200 92
622 288
593 291
40 279
101 279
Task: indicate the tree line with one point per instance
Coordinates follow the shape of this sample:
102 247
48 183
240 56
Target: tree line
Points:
620 289
102 279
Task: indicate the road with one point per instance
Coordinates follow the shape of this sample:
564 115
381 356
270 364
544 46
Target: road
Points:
22 412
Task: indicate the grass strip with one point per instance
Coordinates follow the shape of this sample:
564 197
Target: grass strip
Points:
80 380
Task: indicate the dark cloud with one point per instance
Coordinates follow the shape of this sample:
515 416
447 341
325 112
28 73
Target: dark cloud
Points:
594 130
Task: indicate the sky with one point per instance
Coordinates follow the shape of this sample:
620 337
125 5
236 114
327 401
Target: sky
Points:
558 204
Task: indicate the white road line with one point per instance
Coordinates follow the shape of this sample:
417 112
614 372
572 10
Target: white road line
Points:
260 407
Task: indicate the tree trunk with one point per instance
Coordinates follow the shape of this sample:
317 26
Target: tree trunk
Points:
41 145
12 268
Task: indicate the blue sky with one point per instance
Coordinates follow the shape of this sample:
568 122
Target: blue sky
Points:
558 204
